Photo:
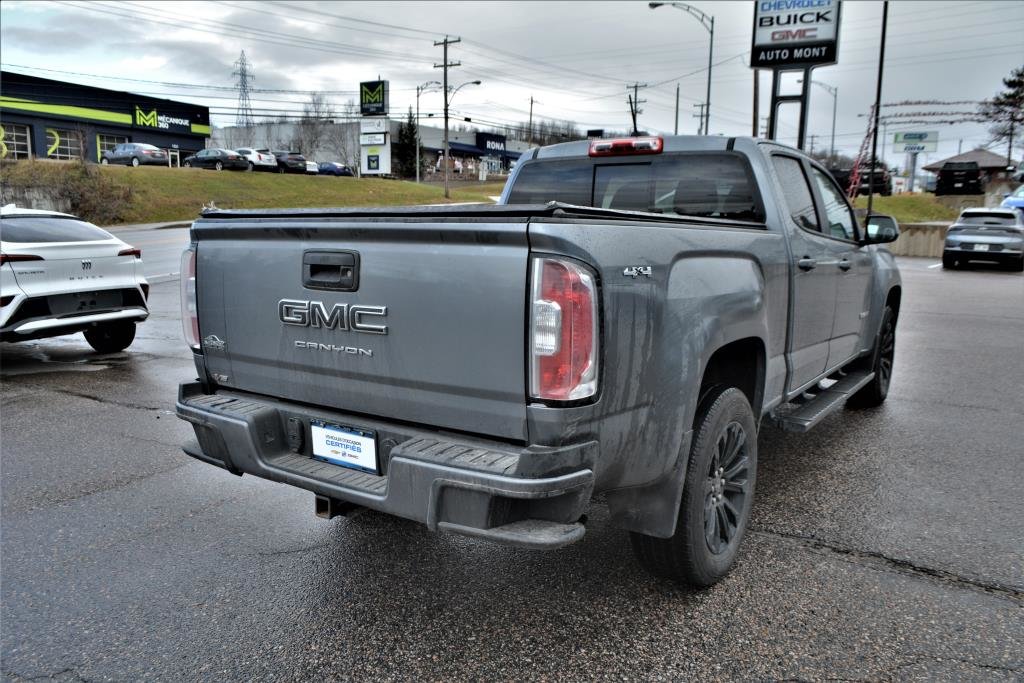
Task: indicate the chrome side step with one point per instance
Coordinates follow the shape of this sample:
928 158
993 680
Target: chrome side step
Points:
816 404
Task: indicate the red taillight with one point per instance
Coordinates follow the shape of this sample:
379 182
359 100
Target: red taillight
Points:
563 332
13 258
130 251
189 314
147 151
623 146
232 156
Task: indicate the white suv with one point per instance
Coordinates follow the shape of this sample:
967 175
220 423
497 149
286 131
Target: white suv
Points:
61 275
258 161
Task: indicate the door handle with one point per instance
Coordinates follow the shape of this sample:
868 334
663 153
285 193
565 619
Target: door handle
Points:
845 264
807 263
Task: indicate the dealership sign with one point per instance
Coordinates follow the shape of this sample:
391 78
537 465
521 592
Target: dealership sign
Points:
913 142
154 119
373 98
795 33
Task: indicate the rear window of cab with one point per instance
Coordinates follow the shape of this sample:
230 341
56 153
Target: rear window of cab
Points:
707 185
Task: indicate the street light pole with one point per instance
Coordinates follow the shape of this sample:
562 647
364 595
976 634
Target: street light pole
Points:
708 22
420 89
447 152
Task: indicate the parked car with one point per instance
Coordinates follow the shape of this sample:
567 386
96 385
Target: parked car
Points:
135 154
992 235
1014 200
217 159
312 168
335 169
61 275
258 161
622 329
959 177
287 162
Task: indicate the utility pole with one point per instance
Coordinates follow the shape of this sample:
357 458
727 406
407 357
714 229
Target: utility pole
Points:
529 134
634 104
677 109
810 152
1009 148
701 106
960 146
446 65
764 123
878 106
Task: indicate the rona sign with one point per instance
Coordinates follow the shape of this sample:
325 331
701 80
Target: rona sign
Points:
373 98
795 33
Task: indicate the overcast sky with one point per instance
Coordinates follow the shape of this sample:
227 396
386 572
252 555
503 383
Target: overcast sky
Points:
574 58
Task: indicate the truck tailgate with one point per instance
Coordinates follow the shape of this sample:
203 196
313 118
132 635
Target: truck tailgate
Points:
431 328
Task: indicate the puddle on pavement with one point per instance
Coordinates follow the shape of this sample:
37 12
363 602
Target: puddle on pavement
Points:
26 358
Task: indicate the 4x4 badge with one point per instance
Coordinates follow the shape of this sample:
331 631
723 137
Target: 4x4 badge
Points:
636 271
214 343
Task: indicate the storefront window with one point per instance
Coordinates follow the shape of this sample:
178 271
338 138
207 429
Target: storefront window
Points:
106 143
14 142
63 144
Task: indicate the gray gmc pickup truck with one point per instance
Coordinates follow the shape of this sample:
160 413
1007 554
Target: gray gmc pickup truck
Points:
622 323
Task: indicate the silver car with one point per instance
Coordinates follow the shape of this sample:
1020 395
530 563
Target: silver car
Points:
992 235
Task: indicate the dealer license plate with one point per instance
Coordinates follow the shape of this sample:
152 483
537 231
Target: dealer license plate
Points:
980 247
345 446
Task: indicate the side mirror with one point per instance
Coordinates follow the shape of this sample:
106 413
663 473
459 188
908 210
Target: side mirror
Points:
881 229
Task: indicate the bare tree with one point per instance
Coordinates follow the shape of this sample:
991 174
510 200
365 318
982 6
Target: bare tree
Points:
312 129
343 140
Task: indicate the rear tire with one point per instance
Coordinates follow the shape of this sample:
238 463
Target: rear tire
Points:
875 392
717 495
1018 266
252 167
219 166
104 162
187 164
948 262
135 162
111 337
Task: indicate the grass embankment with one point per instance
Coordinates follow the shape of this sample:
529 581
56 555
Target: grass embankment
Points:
910 208
111 195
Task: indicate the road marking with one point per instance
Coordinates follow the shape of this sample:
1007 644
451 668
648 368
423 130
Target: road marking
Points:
935 265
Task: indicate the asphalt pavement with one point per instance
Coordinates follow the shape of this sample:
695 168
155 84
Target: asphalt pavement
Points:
886 544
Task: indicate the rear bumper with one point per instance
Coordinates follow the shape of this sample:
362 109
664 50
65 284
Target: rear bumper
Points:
529 497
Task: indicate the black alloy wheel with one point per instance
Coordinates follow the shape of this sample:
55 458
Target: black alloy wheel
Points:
725 489
717 495
874 393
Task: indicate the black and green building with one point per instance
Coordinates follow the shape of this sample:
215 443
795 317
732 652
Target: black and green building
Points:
46 119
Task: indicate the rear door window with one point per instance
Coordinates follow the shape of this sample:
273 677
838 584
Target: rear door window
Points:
49 229
987 219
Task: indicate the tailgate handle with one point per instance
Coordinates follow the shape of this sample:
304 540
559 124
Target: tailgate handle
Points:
334 270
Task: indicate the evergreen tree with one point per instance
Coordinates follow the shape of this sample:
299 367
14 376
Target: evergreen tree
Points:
404 149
